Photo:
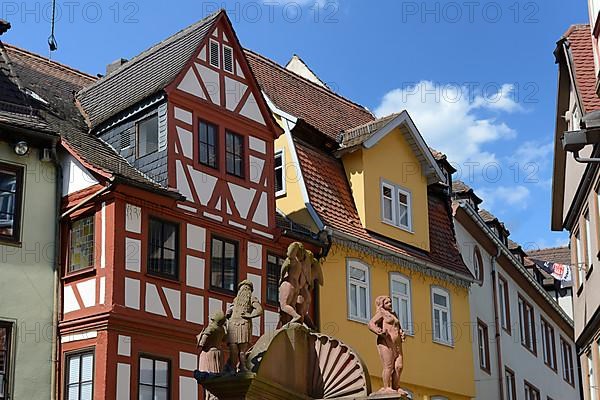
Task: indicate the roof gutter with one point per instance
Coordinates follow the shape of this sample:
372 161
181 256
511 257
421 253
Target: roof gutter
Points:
407 261
506 252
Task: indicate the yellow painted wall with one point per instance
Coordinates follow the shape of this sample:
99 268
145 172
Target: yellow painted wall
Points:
430 368
393 160
292 203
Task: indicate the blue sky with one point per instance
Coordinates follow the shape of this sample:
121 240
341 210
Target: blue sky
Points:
478 77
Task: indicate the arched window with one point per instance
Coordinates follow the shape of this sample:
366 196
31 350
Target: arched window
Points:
401 300
478 265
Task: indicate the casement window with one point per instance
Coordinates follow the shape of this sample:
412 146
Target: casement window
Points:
79 376
234 154
442 321
581 263
396 207
224 264
504 301
147 136
510 384
591 375
227 59
274 264
208 150
279 173
567 362
477 265
401 300
531 392
588 242
11 195
548 344
527 325
5 349
163 248
214 53
81 254
155 379
483 343
358 291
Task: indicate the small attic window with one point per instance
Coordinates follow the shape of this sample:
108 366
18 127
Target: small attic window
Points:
228 59
214 53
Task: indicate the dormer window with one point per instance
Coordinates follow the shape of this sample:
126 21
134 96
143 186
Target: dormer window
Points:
214 54
147 136
396 206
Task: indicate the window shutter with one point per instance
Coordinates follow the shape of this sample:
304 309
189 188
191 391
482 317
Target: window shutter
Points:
228 59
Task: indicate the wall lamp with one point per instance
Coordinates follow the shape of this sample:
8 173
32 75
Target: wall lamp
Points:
21 148
575 141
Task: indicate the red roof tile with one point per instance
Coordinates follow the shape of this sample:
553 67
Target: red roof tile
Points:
331 197
323 109
580 45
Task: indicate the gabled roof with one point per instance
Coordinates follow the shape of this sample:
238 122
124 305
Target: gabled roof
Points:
561 255
17 110
461 189
330 195
579 44
490 218
57 84
144 75
369 134
319 107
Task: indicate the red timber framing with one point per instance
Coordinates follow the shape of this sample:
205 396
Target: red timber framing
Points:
118 309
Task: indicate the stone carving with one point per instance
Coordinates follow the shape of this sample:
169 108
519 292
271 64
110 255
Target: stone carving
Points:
209 341
386 325
299 272
239 327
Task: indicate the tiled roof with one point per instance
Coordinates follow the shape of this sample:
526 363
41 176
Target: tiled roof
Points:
487 216
326 111
561 255
580 44
332 199
57 85
460 187
357 135
144 75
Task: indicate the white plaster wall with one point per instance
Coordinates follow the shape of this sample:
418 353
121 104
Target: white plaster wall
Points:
482 307
75 176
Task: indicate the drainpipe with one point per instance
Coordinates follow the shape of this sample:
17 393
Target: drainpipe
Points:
56 283
497 325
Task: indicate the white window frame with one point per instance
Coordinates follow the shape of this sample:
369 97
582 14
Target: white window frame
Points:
580 261
396 190
232 59
504 303
588 240
398 277
283 191
591 374
210 42
448 309
354 263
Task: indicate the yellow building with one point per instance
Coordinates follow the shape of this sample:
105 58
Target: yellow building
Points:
375 187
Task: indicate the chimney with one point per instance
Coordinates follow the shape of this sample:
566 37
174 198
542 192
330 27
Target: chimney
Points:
4 26
113 66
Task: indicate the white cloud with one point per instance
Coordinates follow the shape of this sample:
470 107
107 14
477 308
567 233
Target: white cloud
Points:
498 99
533 152
513 196
446 117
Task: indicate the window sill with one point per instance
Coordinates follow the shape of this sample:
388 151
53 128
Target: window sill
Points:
8 241
91 271
508 332
486 370
163 277
555 370
402 228
443 343
359 320
534 353
222 291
